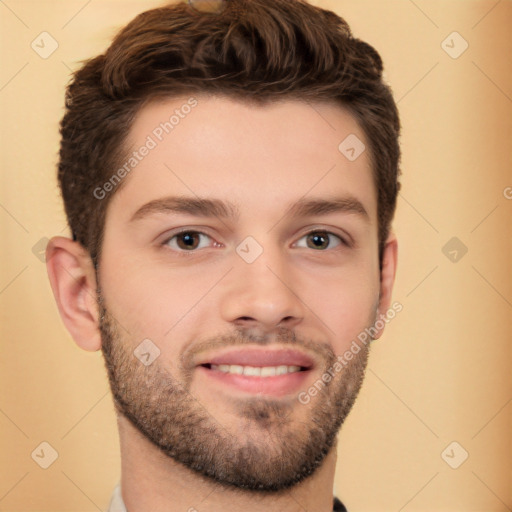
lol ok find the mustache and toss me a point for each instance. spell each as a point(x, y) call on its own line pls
point(320, 351)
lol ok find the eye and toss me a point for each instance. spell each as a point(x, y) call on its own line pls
point(187, 241)
point(320, 239)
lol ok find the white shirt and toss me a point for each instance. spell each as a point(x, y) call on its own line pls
point(116, 502)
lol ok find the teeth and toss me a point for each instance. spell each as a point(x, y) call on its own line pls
point(281, 369)
point(268, 371)
point(252, 371)
point(255, 371)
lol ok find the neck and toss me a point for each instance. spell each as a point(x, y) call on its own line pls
point(150, 480)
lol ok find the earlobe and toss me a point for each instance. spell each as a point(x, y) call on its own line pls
point(387, 278)
point(73, 282)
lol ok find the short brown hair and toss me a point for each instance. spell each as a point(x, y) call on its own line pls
point(255, 50)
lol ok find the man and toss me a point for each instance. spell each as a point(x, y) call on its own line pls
point(229, 172)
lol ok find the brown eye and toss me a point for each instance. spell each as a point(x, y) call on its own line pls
point(318, 240)
point(321, 240)
point(187, 241)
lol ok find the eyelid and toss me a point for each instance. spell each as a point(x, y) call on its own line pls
point(186, 229)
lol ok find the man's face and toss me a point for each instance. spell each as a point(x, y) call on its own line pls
point(223, 294)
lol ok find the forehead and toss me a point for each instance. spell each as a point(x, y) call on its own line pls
point(255, 156)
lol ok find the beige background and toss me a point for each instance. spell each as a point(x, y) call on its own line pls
point(442, 371)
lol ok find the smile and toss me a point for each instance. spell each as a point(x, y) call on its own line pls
point(255, 371)
point(268, 371)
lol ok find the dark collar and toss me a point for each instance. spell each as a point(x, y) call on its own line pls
point(338, 506)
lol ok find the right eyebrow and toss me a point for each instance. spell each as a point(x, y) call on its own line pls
point(191, 205)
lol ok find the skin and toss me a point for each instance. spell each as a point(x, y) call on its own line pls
point(263, 159)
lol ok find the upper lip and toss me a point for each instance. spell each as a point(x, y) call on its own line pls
point(259, 357)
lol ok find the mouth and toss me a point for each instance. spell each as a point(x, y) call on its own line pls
point(258, 371)
point(255, 371)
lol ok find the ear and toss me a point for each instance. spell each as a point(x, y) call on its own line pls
point(73, 281)
point(387, 279)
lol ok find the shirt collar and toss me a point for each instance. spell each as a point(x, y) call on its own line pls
point(117, 503)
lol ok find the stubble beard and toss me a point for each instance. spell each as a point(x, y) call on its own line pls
point(269, 451)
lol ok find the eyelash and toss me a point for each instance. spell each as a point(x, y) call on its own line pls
point(186, 253)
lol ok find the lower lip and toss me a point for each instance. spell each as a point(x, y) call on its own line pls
point(278, 385)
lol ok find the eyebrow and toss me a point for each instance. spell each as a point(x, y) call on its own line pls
point(311, 207)
point(191, 205)
point(226, 210)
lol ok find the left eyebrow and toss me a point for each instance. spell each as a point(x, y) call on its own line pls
point(312, 207)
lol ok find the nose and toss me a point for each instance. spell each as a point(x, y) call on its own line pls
point(262, 295)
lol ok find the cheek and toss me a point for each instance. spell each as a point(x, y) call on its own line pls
point(346, 303)
point(154, 300)
point(353, 312)
point(146, 302)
